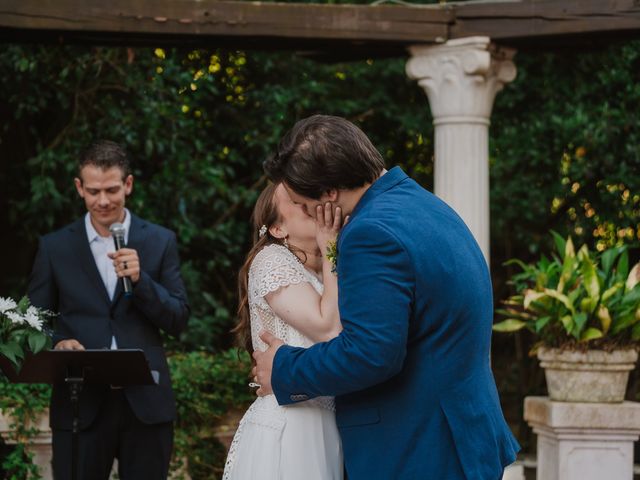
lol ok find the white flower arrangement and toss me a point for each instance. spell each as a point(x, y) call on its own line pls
point(23, 329)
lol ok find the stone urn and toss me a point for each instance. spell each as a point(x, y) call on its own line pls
point(594, 376)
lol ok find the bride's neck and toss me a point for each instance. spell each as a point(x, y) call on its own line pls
point(311, 258)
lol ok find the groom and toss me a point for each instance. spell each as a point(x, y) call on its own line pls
point(415, 395)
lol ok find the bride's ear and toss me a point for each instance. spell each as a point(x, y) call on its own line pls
point(276, 231)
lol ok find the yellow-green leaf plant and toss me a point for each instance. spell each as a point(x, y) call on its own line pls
point(576, 299)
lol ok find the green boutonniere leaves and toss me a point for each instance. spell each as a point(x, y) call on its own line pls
point(332, 256)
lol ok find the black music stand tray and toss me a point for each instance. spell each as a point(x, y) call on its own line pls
point(77, 368)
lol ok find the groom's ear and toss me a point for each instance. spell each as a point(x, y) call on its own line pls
point(332, 195)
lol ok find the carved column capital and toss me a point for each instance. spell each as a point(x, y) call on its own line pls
point(461, 77)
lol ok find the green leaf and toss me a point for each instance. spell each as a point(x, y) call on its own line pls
point(23, 304)
point(609, 292)
point(622, 322)
point(567, 322)
point(579, 320)
point(509, 325)
point(541, 323)
point(634, 277)
point(573, 295)
point(560, 243)
point(583, 252)
point(531, 296)
point(567, 269)
point(590, 278)
point(9, 354)
point(609, 257)
point(605, 318)
point(622, 269)
point(561, 298)
point(587, 305)
point(37, 341)
point(569, 249)
point(515, 261)
point(632, 297)
point(511, 313)
point(591, 334)
point(12, 351)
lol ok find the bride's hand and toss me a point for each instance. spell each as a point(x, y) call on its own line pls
point(328, 224)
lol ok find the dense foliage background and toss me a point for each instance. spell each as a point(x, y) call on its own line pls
point(198, 124)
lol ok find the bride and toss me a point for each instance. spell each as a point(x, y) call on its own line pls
point(287, 287)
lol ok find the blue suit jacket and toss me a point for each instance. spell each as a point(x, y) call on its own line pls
point(65, 279)
point(416, 398)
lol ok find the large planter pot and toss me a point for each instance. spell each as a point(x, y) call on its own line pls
point(590, 376)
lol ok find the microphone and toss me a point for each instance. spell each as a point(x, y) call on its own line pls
point(117, 232)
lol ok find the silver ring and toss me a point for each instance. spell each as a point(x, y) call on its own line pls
point(254, 385)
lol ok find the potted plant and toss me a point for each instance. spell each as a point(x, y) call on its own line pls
point(23, 330)
point(584, 307)
point(23, 408)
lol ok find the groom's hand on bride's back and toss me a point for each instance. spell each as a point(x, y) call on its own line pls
point(264, 363)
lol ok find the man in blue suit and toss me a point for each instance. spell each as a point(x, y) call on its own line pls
point(415, 395)
point(76, 273)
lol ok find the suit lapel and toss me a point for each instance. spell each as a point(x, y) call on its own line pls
point(137, 234)
point(80, 245)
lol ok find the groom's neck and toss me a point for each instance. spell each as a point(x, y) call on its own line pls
point(348, 199)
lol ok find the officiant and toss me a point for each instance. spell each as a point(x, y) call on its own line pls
point(79, 274)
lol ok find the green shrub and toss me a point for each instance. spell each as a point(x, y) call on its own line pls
point(206, 386)
point(23, 402)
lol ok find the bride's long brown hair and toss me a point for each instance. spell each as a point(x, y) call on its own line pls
point(264, 213)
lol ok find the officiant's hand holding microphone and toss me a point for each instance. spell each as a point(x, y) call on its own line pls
point(125, 260)
point(126, 263)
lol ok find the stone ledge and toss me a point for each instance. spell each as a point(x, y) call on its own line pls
point(608, 416)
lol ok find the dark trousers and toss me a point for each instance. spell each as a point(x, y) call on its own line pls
point(143, 451)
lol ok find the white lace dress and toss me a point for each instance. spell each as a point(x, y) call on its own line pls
point(292, 442)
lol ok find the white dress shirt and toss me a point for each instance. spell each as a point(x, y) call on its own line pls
point(100, 246)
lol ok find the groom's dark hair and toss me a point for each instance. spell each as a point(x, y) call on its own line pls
point(321, 153)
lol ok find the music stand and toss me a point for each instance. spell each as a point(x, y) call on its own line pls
point(77, 368)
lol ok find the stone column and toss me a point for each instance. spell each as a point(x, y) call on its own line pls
point(461, 79)
point(583, 441)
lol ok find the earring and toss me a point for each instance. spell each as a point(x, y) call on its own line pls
point(286, 244)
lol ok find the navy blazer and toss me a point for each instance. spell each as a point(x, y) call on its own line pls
point(416, 398)
point(65, 279)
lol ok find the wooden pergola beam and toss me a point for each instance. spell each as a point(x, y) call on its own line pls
point(317, 28)
point(532, 21)
point(277, 23)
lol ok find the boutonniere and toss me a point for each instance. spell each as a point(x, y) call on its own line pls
point(332, 256)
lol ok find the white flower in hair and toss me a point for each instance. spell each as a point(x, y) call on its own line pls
point(263, 231)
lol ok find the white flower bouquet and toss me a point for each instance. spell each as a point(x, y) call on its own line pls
point(23, 329)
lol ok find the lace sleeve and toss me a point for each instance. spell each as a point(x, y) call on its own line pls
point(274, 267)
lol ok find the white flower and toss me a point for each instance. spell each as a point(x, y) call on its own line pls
point(15, 317)
point(32, 317)
point(7, 304)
